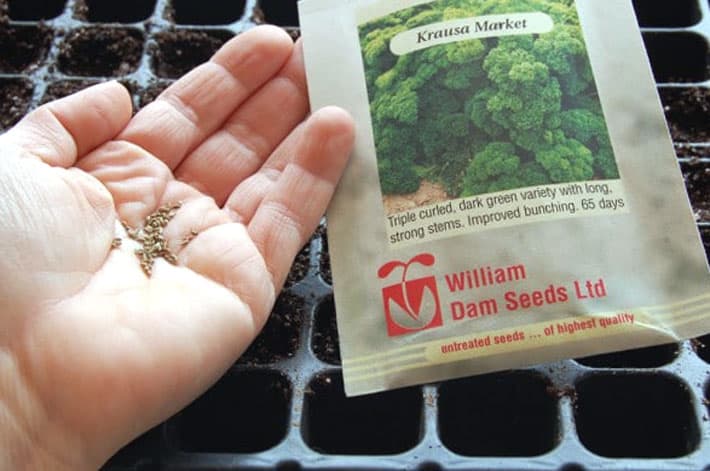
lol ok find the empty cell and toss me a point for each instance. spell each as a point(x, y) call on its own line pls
point(23, 47)
point(665, 14)
point(101, 52)
point(279, 339)
point(696, 175)
point(705, 237)
point(137, 451)
point(325, 333)
point(280, 12)
point(636, 416)
point(32, 10)
point(687, 110)
point(377, 424)
point(16, 94)
point(701, 345)
point(649, 357)
point(177, 52)
point(244, 412)
point(126, 11)
point(677, 57)
point(502, 414)
point(207, 12)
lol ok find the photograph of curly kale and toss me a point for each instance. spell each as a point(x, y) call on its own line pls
point(484, 115)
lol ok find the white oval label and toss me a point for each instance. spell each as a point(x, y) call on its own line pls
point(470, 28)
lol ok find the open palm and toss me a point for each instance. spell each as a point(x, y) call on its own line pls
point(92, 350)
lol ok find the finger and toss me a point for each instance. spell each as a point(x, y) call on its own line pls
point(289, 214)
point(250, 135)
point(197, 104)
point(62, 131)
point(225, 254)
point(248, 195)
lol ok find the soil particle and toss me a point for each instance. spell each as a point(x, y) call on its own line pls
point(295, 33)
point(687, 111)
point(16, 95)
point(428, 193)
point(101, 52)
point(280, 337)
point(81, 10)
point(258, 16)
point(565, 391)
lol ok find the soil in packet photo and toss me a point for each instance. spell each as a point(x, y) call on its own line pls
point(514, 196)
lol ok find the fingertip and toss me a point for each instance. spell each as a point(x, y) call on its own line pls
point(337, 124)
point(269, 40)
point(108, 102)
point(122, 94)
point(326, 143)
point(273, 32)
point(63, 130)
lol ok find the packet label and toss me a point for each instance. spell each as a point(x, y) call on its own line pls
point(513, 197)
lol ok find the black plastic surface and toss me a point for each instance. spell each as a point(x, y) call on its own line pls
point(282, 406)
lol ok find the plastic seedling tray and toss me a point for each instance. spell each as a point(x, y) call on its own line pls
point(281, 406)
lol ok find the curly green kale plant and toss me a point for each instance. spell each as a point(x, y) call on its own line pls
point(485, 115)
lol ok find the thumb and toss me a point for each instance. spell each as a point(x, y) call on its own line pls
point(64, 130)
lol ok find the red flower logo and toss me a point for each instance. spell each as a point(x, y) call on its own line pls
point(410, 305)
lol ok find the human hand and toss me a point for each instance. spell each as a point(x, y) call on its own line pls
point(92, 350)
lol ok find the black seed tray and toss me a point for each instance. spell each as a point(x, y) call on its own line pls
point(282, 405)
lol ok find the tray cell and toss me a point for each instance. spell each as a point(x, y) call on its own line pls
point(677, 57)
point(17, 93)
point(325, 335)
point(636, 416)
point(33, 10)
point(23, 47)
point(280, 12)
point(177, 52)
point(101, 52)
point(126, 11)
point(501, 414)
point(665, 14)
point(649, 357)
point(207, 12)
point(244, 412)
point(279, 339)
point(376, 424)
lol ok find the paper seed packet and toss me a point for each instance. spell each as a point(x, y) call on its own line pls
point(513, 197)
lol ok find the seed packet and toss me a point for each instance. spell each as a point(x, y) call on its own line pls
point(513, 197)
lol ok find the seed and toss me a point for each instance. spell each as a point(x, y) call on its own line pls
point(116, 243)
point(188, 238)
point(153, 243)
